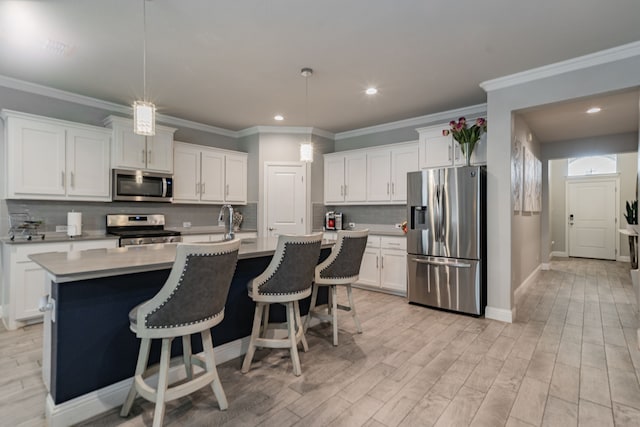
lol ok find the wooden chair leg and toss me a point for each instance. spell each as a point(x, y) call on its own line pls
point(255, 332)
point(353, 309)
point(141, 366)
point(265, 320)
point(291, 319)
point(210, 361)
point(334, 312)
point(299, 328)
point(186, 355)
point(314, 298)
point(163, 382)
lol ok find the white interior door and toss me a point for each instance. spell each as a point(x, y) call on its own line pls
point(591, 218)
point(285, 199)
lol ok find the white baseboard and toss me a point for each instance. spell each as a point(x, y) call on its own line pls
point(96, 402)
point(624, 258)
point(545, 266)
point(500, 314)
point(531, 278)
point(559, 254)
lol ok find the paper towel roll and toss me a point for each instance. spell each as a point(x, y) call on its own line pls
point(74, 223)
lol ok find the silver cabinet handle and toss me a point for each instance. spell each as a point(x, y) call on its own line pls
point(226, 190)
point(443, 263)
point(197, 187)
point(144, 155)
point(393, 244)
point(149, 157)
point(345, 189)
point(449, 152)
point(377, 261)
point(73, 180)
point(203, 187)
point(393, 188)
point(342, 190)
point(382, 262)
point(387, 188)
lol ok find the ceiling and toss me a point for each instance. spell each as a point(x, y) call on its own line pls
point(236, 64)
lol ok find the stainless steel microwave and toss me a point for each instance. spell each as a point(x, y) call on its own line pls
point(141, 186)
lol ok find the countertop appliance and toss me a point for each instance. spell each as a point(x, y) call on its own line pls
point(333, 220)
point(141, 229)
point(446, 238)
point(141, 186)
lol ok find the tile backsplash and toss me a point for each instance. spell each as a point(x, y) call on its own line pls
point(372, 214)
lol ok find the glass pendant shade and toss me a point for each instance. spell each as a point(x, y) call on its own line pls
point(306, 152)
point(144, 118)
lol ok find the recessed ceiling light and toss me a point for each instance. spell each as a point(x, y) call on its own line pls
point(594, 110)
point(278, 118)
point(371, 91)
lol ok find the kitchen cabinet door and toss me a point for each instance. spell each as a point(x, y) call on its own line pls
point(159, 148)
point(393, 270)
point(186, 174)
point(355, 177)
point(30, 280)
point(212, 177)
point(403, 160)
point(36, 158)
point(379, 176)
point(236, 178)
point(333, 179)
point(370, 267)
point(88, 164)
point(436, 150)
point(129, 149)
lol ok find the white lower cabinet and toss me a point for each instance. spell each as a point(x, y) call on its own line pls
point(206, 238)
point(384, 264)
point(24, 282)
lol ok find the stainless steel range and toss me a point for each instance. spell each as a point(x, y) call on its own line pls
point(141, 229)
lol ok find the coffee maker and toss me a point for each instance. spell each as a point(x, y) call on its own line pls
point(333, 220)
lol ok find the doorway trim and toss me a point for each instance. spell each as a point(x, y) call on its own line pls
point(604, 177)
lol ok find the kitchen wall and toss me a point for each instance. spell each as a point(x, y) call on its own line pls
point(627, 169)
point(525, 226)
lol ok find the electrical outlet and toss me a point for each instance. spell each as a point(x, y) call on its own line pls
point(61, 228)
point(398, 226)
point(352, 225)
point(186, 224)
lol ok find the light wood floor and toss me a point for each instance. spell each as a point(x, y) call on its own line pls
point(570, 359)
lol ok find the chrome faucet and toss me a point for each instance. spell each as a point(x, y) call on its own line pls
point(228, 225)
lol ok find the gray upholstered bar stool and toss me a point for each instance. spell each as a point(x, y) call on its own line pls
point(286, 280)
point(191, 301)
point(341, 268)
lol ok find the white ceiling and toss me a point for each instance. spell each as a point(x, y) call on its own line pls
point(235, 64)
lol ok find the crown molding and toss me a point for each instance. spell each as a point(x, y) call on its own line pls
point(415, 121)
point(62, 95)
point(598, 58)
point(300, 130)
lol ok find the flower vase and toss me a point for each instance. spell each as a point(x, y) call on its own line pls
point(467, 156)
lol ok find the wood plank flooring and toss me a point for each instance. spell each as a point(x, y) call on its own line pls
point(571, 358)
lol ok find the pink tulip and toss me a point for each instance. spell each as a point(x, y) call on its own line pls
point(462, 120)
point(480, 121)
point(452, 123)
point(445, 132)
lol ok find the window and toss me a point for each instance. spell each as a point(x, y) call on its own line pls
point(593, 165)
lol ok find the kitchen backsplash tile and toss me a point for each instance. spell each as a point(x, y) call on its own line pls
point(373, 214)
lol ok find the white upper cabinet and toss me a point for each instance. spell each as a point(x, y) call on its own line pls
point(345, 179)
point(52, 159)
point(387, 177)
point(439, 151)
point(208, 175)
point(132, 151)
point(369, 176)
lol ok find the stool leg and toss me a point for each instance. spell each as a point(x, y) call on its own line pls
point(186, 355)
point(141, 366)
point(210, 361)
point(299, 327)
point(163, 379)
point(353, 309)
point(255, 332)
point(334, 312)
point(265, 320)
point(291, 319)
point(314, 298)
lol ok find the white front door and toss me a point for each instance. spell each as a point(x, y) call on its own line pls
point(285, 199)
point(591, 218)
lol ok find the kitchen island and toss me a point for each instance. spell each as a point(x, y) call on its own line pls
point(90, 353)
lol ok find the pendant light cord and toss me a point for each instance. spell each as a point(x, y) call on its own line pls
point(144, 50)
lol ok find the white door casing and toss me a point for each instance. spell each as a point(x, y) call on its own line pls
point(592, 209)
point(285, 198)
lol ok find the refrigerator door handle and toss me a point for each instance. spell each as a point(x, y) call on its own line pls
point(443, 263)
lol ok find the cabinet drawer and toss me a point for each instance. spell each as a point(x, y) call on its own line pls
point(94, 244)
point(23, 251)
point(373, 242)
point(399, 243)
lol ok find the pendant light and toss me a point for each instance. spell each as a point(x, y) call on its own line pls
point(306, 147)
point(144, 112)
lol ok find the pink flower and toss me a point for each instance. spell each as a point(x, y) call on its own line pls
point(452, 123)
point(462, 120)
point(445, 132)
point(480, 121)
point(459, 127)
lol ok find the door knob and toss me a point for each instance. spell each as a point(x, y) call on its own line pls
point(271, 228)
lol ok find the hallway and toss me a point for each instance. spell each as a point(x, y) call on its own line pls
point(570, 359)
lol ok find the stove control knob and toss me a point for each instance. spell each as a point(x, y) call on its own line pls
point(132, 241)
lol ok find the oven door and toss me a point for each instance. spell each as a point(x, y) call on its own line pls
point(139, 186)
point(448, 283)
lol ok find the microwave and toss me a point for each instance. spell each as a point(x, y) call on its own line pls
point(141, 186)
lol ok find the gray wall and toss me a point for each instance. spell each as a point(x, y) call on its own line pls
point(501, 104)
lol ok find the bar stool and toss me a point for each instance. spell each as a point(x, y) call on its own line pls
point(286, 280)
point(191, 301)
point(341, 268)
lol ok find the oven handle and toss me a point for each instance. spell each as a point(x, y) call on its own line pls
point(443, 263)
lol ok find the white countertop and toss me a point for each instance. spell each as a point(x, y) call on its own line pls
point(95, 263)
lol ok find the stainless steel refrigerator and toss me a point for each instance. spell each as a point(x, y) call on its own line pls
point(446, 238)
